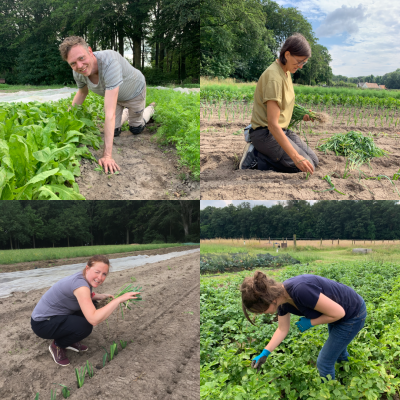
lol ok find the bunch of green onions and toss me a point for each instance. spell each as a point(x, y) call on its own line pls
point(359, 149)
point(299, 112)
point(127, 289)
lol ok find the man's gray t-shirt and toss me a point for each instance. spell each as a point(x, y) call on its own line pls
point(60, 298)
point(114, 71)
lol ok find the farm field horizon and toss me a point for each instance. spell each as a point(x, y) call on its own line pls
point(226, 112)
point(229, 341)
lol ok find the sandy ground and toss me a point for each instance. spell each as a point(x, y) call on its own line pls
point(23, 266)
point(148, 172)
point(161, 361)
point(222, 145)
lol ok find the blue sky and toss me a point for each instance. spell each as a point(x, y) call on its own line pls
point(362, 37)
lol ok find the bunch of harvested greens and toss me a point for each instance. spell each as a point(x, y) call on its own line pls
point(299, 112)
point(359, 149)
point(127, 289)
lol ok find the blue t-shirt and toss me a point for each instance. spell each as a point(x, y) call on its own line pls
point(60, 298)
point(305, 290)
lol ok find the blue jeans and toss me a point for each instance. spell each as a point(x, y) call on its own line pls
point(340, 335)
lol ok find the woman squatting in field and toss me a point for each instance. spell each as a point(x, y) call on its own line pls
point(319, 301)
point(66, 312)
point(273, 146)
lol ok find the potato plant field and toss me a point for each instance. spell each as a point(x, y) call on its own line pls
point(42, 147)
point(226, 111)
point(229, 342)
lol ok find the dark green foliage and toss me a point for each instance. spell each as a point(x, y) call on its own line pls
point(327, 219)
point(223, 262)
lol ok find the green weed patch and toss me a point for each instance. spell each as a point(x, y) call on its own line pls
point(211, 263)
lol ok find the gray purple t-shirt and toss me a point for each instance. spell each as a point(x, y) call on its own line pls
point(306, 289)
point(114, 71)
point(60, 298)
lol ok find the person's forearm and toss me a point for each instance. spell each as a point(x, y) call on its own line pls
point(103, 313)
point(78, 99)
point(324, 319)
point(276, 340)
point(109, 126)
point(283, 141)
point(96, 296)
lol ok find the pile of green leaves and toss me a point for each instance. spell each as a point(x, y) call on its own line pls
point(223, 262)
point(179, 118)
point(41, 145)
point(359, 149)
point(228, 342)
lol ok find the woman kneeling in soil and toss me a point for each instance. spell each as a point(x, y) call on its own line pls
point(272, 112)
point(66, 312)
point(319, 300)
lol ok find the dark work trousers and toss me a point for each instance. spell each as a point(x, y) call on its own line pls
point(265, 143)
point(65, 329)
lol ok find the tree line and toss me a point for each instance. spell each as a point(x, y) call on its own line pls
point(27, 224)
point(327, 219)
point(167, 32)
point(391, 80)
point(240, 39)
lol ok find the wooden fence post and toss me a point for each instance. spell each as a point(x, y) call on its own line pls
point(320, 243)
point(294, 240)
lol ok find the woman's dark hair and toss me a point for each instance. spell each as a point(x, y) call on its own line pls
point(94, 259)
point(296, 45)
point(258, 293)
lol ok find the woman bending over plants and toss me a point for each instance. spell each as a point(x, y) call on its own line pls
point(273, 145)
point(66, 312)
point(319, 301)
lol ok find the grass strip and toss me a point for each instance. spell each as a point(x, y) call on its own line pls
point(359, 149)
point(54, 253)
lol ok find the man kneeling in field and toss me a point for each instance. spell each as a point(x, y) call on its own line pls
point(110, 75)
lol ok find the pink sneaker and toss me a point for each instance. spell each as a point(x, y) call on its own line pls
point(59, 355)
point(78, 346)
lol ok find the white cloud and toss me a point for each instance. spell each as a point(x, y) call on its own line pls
point(368, 33)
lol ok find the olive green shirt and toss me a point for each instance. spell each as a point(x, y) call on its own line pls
point(275, 85)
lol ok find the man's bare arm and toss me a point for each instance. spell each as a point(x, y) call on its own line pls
point(80, 96)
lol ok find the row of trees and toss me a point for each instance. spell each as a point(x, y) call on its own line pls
point(167, 31)
point(241, 39)
point(327, 219)
point(391, 80)
point(26, 224)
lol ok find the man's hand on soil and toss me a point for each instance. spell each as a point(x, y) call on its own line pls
point(109, 165)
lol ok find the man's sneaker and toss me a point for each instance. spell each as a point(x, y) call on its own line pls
point(78, 346)
point(137, 129)
point(59, 355)
point(117, 131)
point(249, 160)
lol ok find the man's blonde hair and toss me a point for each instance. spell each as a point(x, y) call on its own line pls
point(69, 43)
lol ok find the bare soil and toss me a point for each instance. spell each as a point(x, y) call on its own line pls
point(160, 362)
point(148, 172)
point(222, 144)
point(23, 266)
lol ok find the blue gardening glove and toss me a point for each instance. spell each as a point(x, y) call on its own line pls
point(260, 360)
point(303, 324)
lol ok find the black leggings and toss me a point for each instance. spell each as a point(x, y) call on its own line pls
point(65, 329)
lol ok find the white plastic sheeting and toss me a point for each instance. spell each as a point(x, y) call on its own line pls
point(24, 281)
point(47, 95)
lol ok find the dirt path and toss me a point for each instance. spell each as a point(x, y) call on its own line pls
point(148, 172)
point(161, 361)
point(222, 145)
point(23, 266)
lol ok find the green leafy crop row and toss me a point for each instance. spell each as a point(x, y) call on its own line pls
point(228, 342)
point(41, 145)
